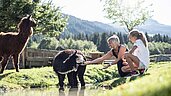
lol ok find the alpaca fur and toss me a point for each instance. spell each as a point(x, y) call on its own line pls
point(65, 61)
point(13, 43)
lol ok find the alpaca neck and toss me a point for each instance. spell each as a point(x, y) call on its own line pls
point(24, 34)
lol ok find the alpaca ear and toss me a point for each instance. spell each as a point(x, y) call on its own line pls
point(75, 52)
point(29, 16)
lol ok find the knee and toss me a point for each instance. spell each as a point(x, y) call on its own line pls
point(123, 69)
point(126, 55)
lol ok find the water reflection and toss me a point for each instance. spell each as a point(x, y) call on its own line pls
point(53, 92)
point(73, 92)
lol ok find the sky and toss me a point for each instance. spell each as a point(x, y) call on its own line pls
point(92, 10)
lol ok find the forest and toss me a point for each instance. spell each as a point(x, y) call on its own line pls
point(158, 44)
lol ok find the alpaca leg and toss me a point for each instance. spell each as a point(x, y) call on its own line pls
point(61, 78)
point(72, 79)
point(1, 59)
point(80, 72)
point(4, 63)
point(16, 59)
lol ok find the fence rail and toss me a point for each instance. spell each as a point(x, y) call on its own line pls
point(34, 58)
point(38, 58)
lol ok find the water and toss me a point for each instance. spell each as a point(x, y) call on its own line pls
point(54, 92)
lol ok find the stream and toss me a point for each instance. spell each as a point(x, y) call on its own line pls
point(87, 91)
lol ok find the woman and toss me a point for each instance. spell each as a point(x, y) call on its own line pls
point(117, 50)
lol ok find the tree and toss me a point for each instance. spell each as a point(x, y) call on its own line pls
point(48, 43)
point(165, 38)
point(103, 46)
point(11, 11)
point(127, 13)
point(51, 22)
point(148, 37)
point(96, 38)
point(81, 36)
point(50, 19)
point(157, 38)
point(119, 34)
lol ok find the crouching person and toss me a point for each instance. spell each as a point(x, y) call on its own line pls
point(117, 50)
point(138, 56)
point(67, 62)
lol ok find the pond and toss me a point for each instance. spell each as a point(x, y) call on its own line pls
point(88, 91)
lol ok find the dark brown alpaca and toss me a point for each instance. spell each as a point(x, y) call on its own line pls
point(13, 43)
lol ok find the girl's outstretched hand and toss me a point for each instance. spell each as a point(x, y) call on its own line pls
point(106, 66)
point(125, 63)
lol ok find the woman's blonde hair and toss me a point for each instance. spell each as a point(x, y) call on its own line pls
point(114, 38)
point(139, 35)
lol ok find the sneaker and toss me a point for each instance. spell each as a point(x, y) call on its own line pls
point(142, 71)
point(135, 73)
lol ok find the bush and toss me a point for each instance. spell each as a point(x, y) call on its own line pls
point(159, 48)
point(83, 45)
point(48, 43)
point(33, 45)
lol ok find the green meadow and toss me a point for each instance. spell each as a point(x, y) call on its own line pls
point(155, 82)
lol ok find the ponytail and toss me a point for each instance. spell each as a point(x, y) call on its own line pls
point(139, 35)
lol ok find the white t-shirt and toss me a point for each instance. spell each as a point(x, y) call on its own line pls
point(142, 52)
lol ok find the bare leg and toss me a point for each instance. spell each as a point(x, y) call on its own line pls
point(126, 68)
point(132, 60)
point(15, 58)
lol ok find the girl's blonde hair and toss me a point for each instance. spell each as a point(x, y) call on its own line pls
point(114, 38)
point(139, 35)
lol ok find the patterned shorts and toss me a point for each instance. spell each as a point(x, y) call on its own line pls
point(141, 65)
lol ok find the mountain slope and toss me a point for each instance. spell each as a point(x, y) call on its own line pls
point(76, 25)
point(154, 27)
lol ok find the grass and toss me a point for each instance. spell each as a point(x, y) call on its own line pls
point(156, 82)
point(28, 78)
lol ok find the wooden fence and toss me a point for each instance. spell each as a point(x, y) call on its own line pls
point(34, 58)
point(38, 58)
point(160, 57)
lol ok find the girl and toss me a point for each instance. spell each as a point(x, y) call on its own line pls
point(138, 56)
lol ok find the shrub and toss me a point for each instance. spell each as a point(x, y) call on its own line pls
point(82, 45)
point(159, 48)
point(48, 43)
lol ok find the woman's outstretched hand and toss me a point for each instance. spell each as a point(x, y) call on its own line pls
point(87, 62)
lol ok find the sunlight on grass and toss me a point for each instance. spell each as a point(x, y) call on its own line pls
point(157, 83)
